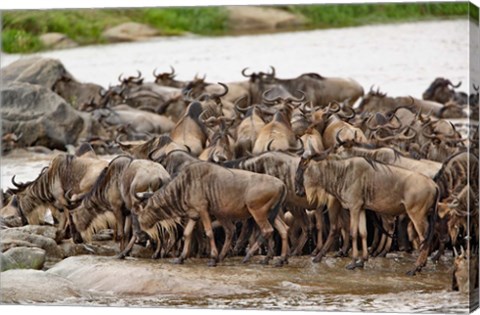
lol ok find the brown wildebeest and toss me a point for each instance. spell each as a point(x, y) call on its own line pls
point(203, 189)
point(112, 198)
point(190, 131)
point(440, 91)
point(66, 173)
point(144, 149)
point(323, 90)
point(283, 165)
point(359, 184)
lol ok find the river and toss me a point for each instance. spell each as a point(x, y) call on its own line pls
point(400, 59)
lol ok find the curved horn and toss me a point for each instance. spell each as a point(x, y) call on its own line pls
point(270, 101)
point(139, 75)
point(269, 145)
point(120, 79)
point(347, 117)
point(330, 109)
point(476, 88)
point(300, 147)
point(382, 139)
point(337, 138)
point(18, 185)
point(299, 100)
point(223, 93)
point(171, 74)
point(246, 75)
point(403, 135)
point(369, 126)
point(454, 86)
point(237, 104)
point(273, 71)
point(391, 126)
point(424, 131)
point(155, 74)
point(117, 140)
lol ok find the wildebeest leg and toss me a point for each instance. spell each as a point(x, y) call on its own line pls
point(421, 224)
point(127, 229)
point(62, 225)
point(302, 218)
point(266, 230)
point(412, 235)
point(354, 221)
point(207, 225)
point(124, 253)
point(334, 209)
point(345, 234)
point(362, 229)
point(389, 226)
point(187, 235)
point(247, 227)
point(383, 238)
point(319, 223)
point(229, 228)
point(377, 239)
point(120, 223)
point(282, 229)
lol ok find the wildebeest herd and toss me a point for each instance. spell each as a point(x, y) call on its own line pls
point(266, 166)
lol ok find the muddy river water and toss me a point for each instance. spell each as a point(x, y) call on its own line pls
point(400, 59)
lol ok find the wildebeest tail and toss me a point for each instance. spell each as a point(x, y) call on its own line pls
point(276, 208)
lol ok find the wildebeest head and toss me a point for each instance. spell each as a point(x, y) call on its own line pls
point(168, 79)
point(440, 91)
point(376, 101)
point(131, 81)
point(302, 166)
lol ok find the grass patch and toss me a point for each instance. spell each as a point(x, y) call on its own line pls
point(21, 29)
point(85, 26)
point(342, 15)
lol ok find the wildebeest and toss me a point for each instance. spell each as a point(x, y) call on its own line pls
point(440, 91)
point(65, 173)
point(190, 130)
point(112, 197)
point(322, 90)
point(358, 183)
point(202, 190)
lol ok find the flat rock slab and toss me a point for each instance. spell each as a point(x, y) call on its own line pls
point(130, 31)
point(33, 286)
point(138, 277)
point(252, 18)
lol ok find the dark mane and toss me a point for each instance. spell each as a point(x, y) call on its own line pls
point(313, 76)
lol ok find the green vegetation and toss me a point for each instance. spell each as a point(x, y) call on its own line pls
point(21, 29)
point(341, 15)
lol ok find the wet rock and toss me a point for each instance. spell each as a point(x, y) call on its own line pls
point(130, 31)
point(71, 249)
point(51, 74)
point(251, 18)
point(6, 263)
point(42, 230)
point(25, 258)
point(43, 117)
point(57, 41)
point(33, 286)
point(16, 236)
point(139, 277)
point(36, 70)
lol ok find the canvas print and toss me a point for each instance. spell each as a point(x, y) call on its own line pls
point(319, 157)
